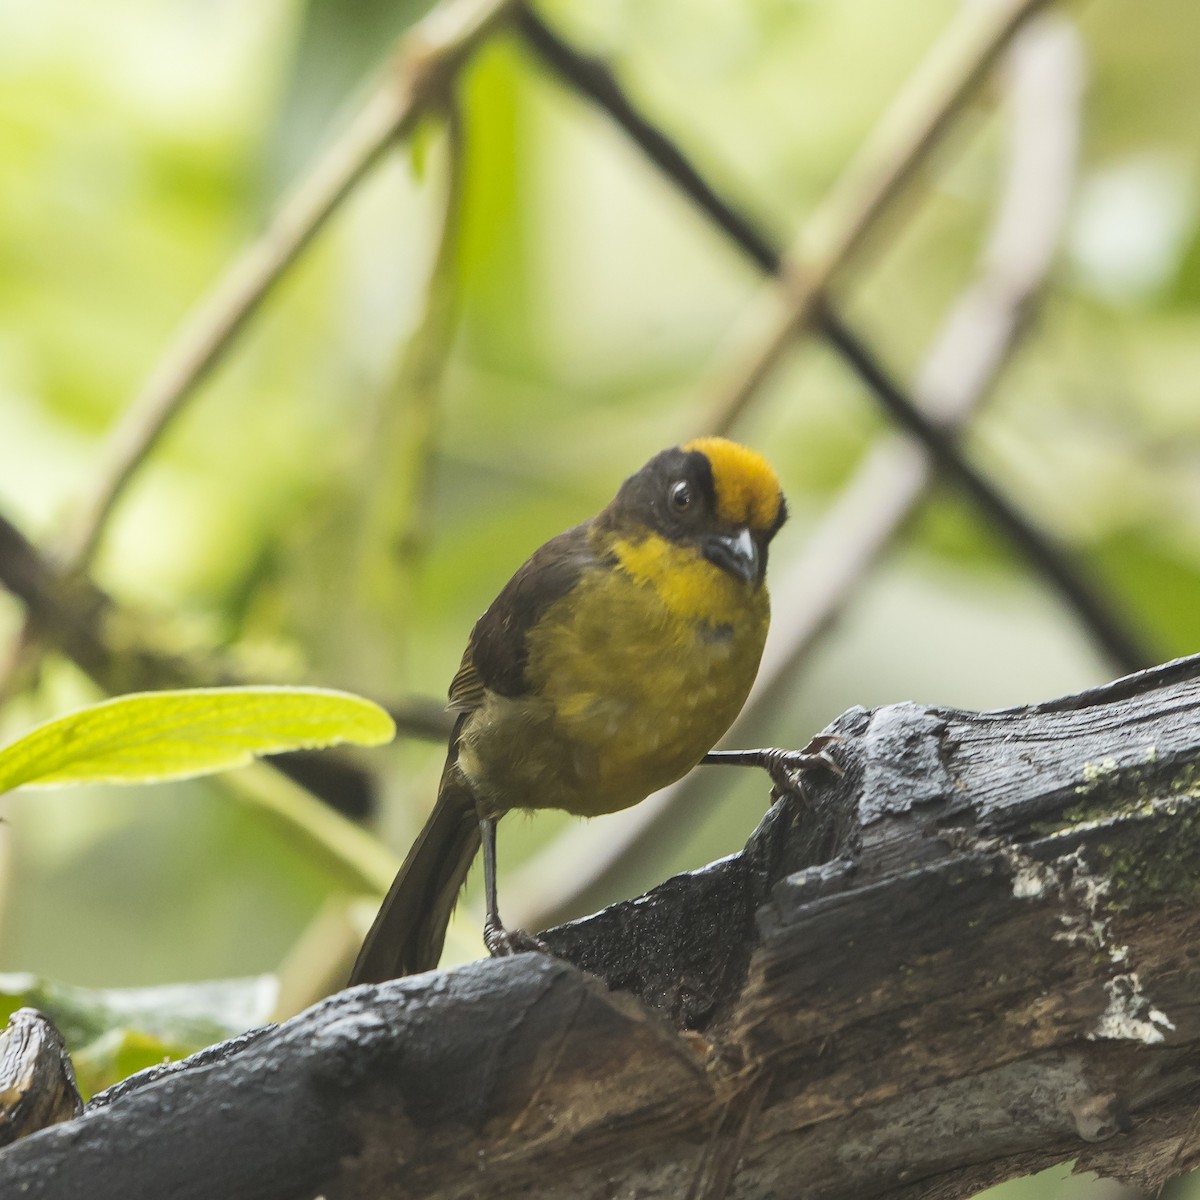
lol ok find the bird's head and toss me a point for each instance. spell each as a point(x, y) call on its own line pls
point(710, 495)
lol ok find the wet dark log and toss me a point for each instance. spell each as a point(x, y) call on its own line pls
point(971, 957)
point(37, 1080)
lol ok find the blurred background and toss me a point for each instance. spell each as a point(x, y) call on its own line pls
point(495, 328)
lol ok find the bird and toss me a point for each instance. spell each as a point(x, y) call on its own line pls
point(607, 667)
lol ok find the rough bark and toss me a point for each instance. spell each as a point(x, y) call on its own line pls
point(37, 1078)
point(971, 957)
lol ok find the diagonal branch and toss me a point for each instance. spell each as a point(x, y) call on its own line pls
point(404, 436)
point(83, 621)
point(1052, 559)
point(895, 149)
point(959, 963)
point(122, 650)
point(422, 69)
point(117, 648)
point(976, 340)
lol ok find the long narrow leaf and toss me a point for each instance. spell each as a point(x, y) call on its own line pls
point(152, 736)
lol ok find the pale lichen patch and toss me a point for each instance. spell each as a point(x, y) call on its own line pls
point(1130, 1016)
point(1085, 918)
point(1094, 773)
point(1031, 882)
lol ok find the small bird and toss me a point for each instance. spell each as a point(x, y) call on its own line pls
point(606, 669)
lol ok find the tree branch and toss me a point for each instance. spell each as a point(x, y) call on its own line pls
point(111, 644)
point(962, 961)
point(422, 68)
point(417, 80)
point(121, 650)
point(1053, 560)
point(981, 331)
point(893, 152)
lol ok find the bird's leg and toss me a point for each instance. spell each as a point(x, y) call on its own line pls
point(781, 764)
point(500, 942)
point(493, 931)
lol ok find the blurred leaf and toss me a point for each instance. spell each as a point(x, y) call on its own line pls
point(152, 736)
point(112, 1033)
point(120, 1053)
point(420, 142)
point(340, 43)
point(1158, 584)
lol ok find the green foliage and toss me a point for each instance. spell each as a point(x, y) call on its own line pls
point(113, 1032)
point(155, 736)
point(340, 43)
point(337, 504)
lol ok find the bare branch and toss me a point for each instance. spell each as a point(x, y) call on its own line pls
point(423, 67)
point(394, 527)
point(1052, 559)
point(417, 80)
point(120, 650)
point(894, 150)
point(1043, 87)
point(126, 651)
point(82, 620)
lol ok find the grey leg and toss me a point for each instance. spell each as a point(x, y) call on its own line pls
point(500, 942)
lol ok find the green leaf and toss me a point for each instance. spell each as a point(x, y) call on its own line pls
point(420, 141)
point(339, 43)
point(113, 1032)
point(153, 736)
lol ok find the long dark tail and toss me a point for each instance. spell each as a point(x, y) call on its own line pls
point(410, 927)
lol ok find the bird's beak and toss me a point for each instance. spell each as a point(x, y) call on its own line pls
point(735, 553)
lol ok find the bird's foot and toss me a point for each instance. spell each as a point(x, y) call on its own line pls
point(503, 943)
point(784, 765)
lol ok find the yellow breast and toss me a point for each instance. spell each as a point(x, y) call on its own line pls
point(635, 674)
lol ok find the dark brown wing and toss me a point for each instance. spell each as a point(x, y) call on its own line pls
point(497, 653)
point(409, 930)
point(466, 688)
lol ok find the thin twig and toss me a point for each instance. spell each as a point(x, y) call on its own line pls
point(113, 648)
point(895, 149)
point(394, 526)
point(592, 78)
point(80, 618)
point(417, 80)
point(391, 531)
point(1052, 559)
point(976, 339)
point(118, 648)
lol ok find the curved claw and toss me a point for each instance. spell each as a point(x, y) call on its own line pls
point(782, 765)
point(503, 943)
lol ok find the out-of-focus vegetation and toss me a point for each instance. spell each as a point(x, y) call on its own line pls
point(339, 501)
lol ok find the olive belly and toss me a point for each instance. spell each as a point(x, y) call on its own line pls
point(623, 702)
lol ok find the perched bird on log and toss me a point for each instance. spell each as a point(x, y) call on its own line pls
point(607, 668)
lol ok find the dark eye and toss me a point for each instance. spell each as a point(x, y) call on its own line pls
point(681, 496)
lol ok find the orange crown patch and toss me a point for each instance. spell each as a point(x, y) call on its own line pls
point(748, 491)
